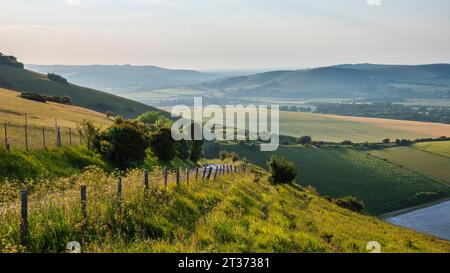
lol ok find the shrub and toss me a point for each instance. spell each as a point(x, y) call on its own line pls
point(347, 142)
point(89, 134)
point(386, 141)
point(282, 171)
point(57, 78)
point(10, 61)
point(350, 203)
point(183, 149)
point(45, 98)
point(304, 140)
point(33, 97)
point(124, 143)
point(162, 144)
point(223, 155)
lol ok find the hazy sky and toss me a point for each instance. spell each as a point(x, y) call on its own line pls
point(206, 34)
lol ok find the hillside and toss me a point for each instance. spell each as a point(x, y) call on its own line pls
point(343, 81)
point(412, 179)
point(235, 213)
point(126, 78)
point(28, 81)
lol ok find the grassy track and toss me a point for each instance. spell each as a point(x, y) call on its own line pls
point(342, 171)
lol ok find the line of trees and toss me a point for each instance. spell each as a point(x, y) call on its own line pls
point(10, 61)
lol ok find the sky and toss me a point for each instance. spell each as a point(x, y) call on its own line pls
point(226, 34)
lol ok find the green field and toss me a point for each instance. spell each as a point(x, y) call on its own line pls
point(343, 171)
point(28, 81)
point(425, 158)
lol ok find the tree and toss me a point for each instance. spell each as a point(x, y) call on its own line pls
point(386, 141)
point(89, 134)
point(162, 144)
point(183, 149)
point(57, 78)
point(282, 171)
point(304, 140)
point(124, 143)
point(196, 145)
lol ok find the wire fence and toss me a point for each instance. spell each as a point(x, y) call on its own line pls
point(24, 136)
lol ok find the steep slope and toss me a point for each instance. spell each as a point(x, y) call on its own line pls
point(234, 213)
point(125, 78)
point(28, 81)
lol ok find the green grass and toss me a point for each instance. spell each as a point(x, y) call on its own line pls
point(343, 171)
point(440, 148)
point(421, 158)
point(19, 165)
point(28, 81)
point(236, 213)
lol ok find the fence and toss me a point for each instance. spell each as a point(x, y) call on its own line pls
point(37, 137)
point(178, 178)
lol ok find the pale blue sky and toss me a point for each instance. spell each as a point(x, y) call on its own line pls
point(241, 34)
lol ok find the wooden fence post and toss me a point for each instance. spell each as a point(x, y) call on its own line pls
point(43, 137)
point(209, 173)
point(204, 173)
point(145, 182)
point(165, 178)
point(215, 173)
point(6, 138)
point(24, 218)
point(58, 133)
point(119, 193)
point(70, 136)
point(83, 202)
point(178, 177)
point(187, 177)
point(26, 132)
point(196, 173)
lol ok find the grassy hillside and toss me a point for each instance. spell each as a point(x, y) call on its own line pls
point(343, 171)
point(235, 213)
point(28, 81)
point(13, 110)
point(440, 148)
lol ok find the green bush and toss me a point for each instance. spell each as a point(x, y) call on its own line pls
point(162, 144)
point(350, 203)
point(124, 143)
point(282, 171)
point(57, 78)
point(304, 140)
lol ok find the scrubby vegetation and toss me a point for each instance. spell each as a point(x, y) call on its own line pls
point(45, 98)
point(10, 61)
point(282, 171)
point(57, 78)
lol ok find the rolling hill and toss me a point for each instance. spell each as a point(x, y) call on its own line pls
point(126, 78)
point(343, 81)
point(22, 80)
point(386, 180)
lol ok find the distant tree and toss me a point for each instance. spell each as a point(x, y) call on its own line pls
point(304, 140)
point(33, 96)
point(386, 141)
point(282, 171)
point(183, 149)
point(57, 78)
point(162, 144)
point(347, 142)
point(10, 61)
point(234, 157)
point(196, 145)
point(223, 155)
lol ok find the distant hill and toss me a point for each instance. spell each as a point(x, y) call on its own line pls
point(343, 81)
point(126, 78)
point(23, 80)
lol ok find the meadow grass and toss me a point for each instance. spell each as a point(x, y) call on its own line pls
point(236, 213)
point(341, 171)
point(441, 147)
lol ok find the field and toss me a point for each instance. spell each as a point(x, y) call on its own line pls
point(343, 171)
point(28, 81)
point(339, 128)
point(425, 158)
point(235, 213)
point(13, 110)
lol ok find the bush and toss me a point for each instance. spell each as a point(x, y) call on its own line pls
point(162, 144)
point(10, 61)
point(347, 142)
point(183, 149)
point(45, 98)
point(304, 140)
point(33, 97)
point(386, 141)
point(124, 143)
point(282, 171)
point(57, 78)
point(350, 203)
